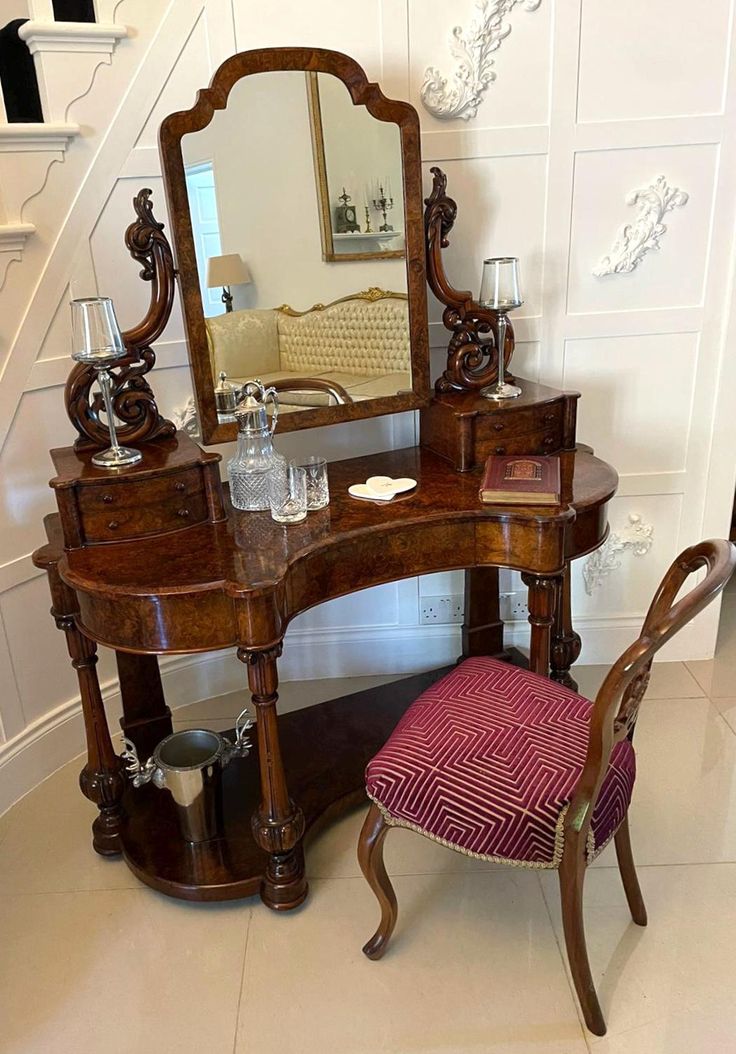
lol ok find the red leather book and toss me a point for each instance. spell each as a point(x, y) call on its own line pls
point(521, 479)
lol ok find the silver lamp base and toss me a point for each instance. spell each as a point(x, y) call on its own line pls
point(117, 457)
point(501, 391)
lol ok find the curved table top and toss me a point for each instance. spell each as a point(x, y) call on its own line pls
point(240, 581)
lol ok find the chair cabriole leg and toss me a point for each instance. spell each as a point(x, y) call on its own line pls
point(572, 877)
point(629, 877)
point(370, 858)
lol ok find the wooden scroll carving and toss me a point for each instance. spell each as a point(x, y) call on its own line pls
point(472, 355)
point(133, 399)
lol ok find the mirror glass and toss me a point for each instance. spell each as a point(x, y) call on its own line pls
point(296, 203)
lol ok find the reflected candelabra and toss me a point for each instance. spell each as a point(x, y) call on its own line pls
point(383, 202)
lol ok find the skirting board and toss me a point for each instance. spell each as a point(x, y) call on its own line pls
point(58, 736)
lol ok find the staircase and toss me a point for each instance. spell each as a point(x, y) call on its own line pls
point(47, 61)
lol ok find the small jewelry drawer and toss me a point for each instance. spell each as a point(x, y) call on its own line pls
point(116, 510)
point(532, 443)
point(507, 422)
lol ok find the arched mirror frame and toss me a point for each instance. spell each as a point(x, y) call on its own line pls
point(363, 93)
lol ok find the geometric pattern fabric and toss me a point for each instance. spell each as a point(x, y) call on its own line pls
point(486, 762)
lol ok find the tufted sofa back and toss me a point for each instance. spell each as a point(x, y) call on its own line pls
point(369, 337)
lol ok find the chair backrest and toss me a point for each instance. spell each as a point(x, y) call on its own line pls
point(616, 706)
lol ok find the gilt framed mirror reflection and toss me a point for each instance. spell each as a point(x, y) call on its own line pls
point(286, 150)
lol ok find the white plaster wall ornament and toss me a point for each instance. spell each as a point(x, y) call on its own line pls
point(639, 238)
point(636, 537)
point(473, 50)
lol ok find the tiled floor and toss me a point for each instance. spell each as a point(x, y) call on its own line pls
point(91, 960)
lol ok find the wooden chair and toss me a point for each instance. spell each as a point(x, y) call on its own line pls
point(501, 764)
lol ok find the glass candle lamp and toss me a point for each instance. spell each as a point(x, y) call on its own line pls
point(98, 342)
point(500, 290)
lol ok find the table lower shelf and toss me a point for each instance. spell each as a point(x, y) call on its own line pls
point(325, 750)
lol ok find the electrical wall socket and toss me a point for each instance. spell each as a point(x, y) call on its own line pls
point(514, 607)
point(441, 610)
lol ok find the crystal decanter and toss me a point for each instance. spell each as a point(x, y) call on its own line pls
point(255, 457)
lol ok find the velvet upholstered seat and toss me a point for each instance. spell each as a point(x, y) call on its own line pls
point(485, 761)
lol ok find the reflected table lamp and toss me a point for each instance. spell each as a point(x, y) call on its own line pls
point(225, 271)
point(98, 342)
point(500, 291)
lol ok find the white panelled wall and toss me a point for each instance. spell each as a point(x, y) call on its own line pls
point(591, 102)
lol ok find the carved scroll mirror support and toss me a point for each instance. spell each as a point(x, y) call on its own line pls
point(132, 397)
point(472, 354)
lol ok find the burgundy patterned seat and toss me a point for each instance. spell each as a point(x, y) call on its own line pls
point(486, 760)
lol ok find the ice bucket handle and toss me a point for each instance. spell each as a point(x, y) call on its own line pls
point(152, 772)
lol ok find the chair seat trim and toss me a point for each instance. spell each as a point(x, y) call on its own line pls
point(592, 850)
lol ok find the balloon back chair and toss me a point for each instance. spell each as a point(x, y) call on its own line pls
point(504, 765)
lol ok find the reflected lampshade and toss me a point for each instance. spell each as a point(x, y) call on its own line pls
point(226, 270)
point(96, 335)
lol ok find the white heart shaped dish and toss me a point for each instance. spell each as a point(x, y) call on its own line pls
point(382, 484)
point(381, 488)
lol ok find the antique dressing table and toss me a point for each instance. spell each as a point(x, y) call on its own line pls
point(151, 559)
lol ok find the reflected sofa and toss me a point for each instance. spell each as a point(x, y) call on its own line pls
point(360, 342)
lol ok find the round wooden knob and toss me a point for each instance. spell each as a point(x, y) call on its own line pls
point(113, 525)
point(108, 499)
point(500, 450)
point(549, 440)
point(183, 513)
point(179, 485)
point(549, 418)
point(498, 428)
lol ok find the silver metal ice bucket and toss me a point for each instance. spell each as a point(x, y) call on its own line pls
point(189, 764)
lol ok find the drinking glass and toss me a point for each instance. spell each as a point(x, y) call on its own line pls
point(288, 495)
point(318, 490)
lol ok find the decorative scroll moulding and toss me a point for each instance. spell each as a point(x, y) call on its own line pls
point(636, 537)
point(639, 238)
point(472, 50)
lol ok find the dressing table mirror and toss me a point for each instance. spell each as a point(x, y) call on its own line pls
point(299, 178)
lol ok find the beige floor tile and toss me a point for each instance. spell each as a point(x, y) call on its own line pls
point(717, 676)
point(120, 971)
point(48, 844)
point(473, 967)
point(333, 852)
point(667, 988)
point(727, 709)
point(670, 680)
point(684, 803)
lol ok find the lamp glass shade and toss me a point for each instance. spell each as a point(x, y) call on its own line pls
point(226, 270)
point(96, 335)
point(500, 288)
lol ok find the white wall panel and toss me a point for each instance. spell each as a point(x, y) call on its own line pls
point(43, 671)
point(655, 59)
point(628, 380)
point(671, 276)
point(502, 213)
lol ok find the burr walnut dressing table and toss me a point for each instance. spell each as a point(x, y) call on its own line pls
point(151, 559)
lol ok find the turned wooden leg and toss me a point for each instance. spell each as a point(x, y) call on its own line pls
point(146, 718)
point(278, 824)
point(572, 877)
point(543, 591)
point(370, 858)
point(629, 877)
point(566, 643)
point(102, 779)
point(482, 625)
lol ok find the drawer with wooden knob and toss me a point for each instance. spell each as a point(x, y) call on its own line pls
point(133, 509)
